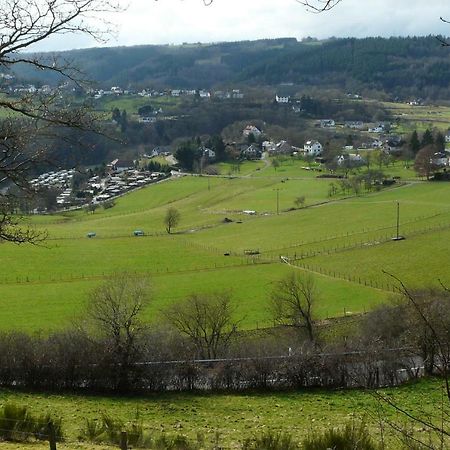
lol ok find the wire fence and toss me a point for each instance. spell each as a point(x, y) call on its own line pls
point(239, 260)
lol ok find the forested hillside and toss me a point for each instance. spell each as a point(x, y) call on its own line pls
point(397, 67)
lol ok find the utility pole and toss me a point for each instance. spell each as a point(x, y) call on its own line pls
point(398, 237)
point(278, 201)
point(398, 219)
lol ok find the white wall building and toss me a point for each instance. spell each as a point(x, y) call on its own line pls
point(312, 148)
point(251, 129)
point(282, 99)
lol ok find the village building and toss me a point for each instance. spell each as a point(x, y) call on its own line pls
point(312, 148)
point(251, 129)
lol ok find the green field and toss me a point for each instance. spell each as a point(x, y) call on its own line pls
point(345, 241)
point(131, 104)
point(419, 117)
point(234, 417)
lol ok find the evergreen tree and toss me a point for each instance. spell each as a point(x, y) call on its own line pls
point(440, 142)
point(188, 154)
point(123, 121)
point(414, 143)
point(116, 115)
point(349, 140)
point(427, 138)
point(216, 144)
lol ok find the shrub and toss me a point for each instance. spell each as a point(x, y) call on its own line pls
point(177, 442)
point(113, 428)
point(352, 436)
point(137, 436)
point(41, 428)
point(270, 441)
point(92, 431)
point(109, 430)
point(108, 204)
point(17, 424)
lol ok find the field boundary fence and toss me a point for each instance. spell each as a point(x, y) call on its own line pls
point(240, 259)
point(374, 284)
point(154, 233)
point(363, 243)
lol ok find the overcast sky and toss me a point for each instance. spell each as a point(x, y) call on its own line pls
point(178, 21)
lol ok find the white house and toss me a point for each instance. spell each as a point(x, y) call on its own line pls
point(120, 165)
point(282, 148)
point(380, 128)
point(355, 124)
point(268, 146)
point(252, 152)
point(208, 153)
point(251, 129)
point(353, 159)
point(377, 143)
point(147, 119)
point(327, 123)
point(312, 148)
point(440, 159)
point(282, 99)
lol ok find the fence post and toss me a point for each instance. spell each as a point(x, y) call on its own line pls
point(123, 440)
point(51, 435)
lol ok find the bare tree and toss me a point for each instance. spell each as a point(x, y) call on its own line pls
point(300, 201)
point(114, 318)
point(426, 328)
point(319, 5)
point(424, 163)
point(30, 120)
point(312, 5)
point(293, 298)
point(171, 219)
point(207, 320)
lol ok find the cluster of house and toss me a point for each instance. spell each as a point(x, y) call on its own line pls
point(286, 99)
point(354, 125)
point(387, 142)
point(119, 182)
point(58, 180)
point(121, 177)
point(202, 93)
point(313, 148)
point(440, 159)
point(9, 84)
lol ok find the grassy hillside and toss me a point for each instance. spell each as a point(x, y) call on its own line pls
point(344, 241)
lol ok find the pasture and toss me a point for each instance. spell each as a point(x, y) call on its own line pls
point(344, 241)
point(234, 417)
point(419, 117)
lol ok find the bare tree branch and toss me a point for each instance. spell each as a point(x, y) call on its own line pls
point(293, 298)
point(444, 353)
point(207, 321)
point(318, 6)
point(33, 121)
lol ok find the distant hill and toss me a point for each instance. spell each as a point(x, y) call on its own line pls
point(399, 67)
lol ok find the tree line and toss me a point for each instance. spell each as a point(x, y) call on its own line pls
point(398, 66)
point(198, 343)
